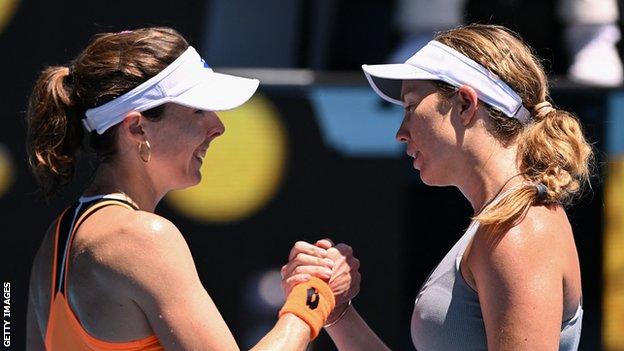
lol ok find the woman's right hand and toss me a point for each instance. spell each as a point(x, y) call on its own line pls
point(334, 264)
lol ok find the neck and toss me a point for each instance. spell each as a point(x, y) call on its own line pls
point(489, 176)
point(112, 178)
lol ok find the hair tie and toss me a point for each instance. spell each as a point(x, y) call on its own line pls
point(542, 192)
point(542, 109)
point(69, 79)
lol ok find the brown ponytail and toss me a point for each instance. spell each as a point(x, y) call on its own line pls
point(553, 155)
point(54, 131)
point(111, 65)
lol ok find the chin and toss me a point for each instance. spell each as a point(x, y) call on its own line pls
point(193, 181)
point(196, 181)
point(431, 180)
point(427, 181)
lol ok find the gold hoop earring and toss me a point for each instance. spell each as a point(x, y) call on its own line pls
point(148, 150)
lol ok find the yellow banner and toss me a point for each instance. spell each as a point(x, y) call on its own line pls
point(613, 296)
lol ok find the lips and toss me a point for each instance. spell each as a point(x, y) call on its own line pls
point(415, 156)
point(416, 163)
point(199, 155)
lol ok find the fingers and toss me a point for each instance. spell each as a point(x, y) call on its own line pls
point(325, 243)
point(320, 272)
point(344, 249)
point(302, 274)
point(302, 259)
point(345, 280)
point(354, 263)
point(306, 248)
point(289, 283)
point(345, 268)
point(302, 263)
point(334, 264)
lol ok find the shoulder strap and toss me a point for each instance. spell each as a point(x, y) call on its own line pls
point(62, 228)
point(81, 211)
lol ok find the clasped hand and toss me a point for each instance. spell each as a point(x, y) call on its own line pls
point(334, 264)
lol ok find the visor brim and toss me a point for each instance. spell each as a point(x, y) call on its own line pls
point(387, 80)
point(218, 92)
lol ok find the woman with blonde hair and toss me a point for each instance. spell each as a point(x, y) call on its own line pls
point(478, 116)
point(110, 273)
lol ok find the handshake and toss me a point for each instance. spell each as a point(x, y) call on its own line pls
point(320, 272)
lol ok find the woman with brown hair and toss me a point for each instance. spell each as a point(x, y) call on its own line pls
point(478, 116)
point(110, 274)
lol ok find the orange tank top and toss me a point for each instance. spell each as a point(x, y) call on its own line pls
point(64, 331)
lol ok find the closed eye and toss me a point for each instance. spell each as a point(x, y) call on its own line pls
point(409, 108)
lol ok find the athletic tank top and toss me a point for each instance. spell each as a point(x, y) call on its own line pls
point(64, 331)
point(447, 314)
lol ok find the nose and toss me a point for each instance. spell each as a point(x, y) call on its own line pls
point(402, 136)
point(217, 129)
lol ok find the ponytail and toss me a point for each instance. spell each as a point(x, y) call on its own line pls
point(54, 132)
point(555, 158)
point(552, 154)
point(111, 65)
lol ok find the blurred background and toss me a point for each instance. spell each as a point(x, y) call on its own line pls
point(313, 155)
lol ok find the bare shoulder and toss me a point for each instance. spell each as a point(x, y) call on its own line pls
point(543, 222)
point(150, 229)
point(128, 248)
point(534, 241)
point(135, 235)
point(527, 278)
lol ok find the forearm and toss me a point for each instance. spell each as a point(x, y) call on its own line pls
point(352, 333)
point(289, 334)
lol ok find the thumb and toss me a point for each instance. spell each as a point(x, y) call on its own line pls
point(325, 243)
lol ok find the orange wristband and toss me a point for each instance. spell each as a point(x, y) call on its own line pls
point(311, 301)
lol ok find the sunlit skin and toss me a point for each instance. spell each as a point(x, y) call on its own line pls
point(178, 143)
point(139, 262)
point(528, 278)
point(449, 142)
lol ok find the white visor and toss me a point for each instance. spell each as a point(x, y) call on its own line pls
point(437, 61)
point(187, 81)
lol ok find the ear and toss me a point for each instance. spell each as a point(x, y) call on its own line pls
point(468, 102)
point(132, 125)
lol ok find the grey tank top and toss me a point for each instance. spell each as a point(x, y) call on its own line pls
point(447, 315)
